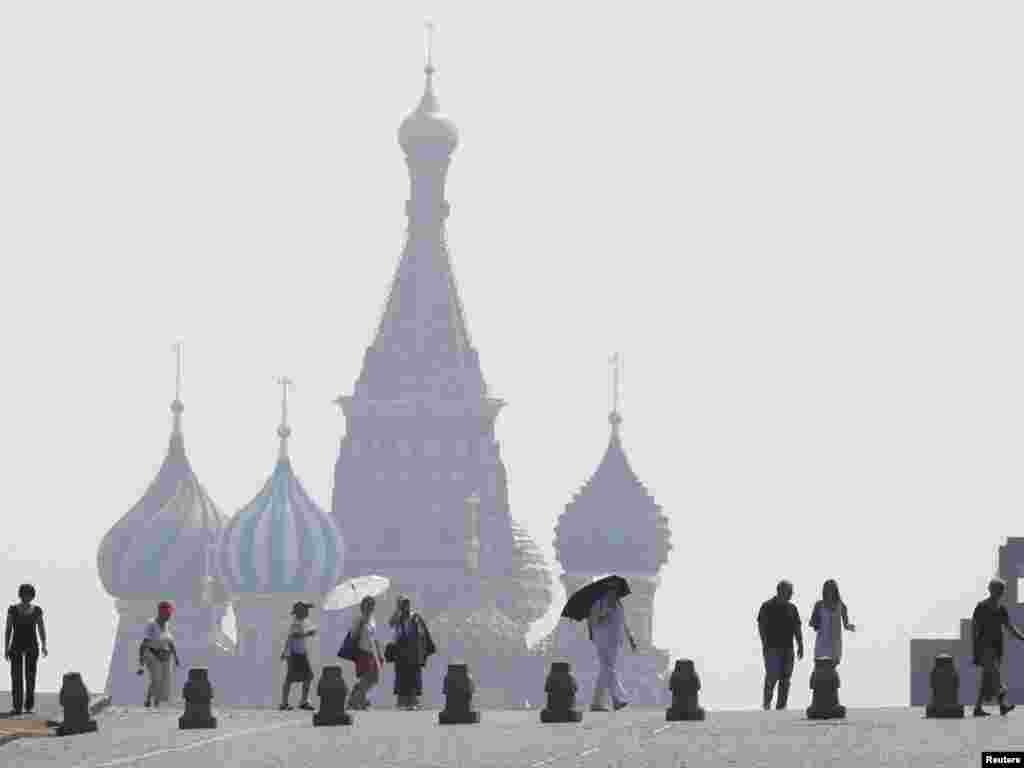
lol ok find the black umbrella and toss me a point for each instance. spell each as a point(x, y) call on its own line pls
point(579, 605)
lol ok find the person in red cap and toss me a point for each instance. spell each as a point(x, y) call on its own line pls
point(155, 654)
point(295, 653)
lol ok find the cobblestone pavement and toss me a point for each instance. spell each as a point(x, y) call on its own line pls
point(638, 738)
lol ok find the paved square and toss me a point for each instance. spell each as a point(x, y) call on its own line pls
point(637, 738)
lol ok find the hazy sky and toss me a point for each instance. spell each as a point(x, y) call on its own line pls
point(798, 221)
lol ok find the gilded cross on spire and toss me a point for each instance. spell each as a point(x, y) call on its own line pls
point(616, 365)
point(284, 431)
point(428, 28)
point(177, 382)
point(177, 407)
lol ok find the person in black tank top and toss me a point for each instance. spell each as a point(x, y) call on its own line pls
point(21, 648)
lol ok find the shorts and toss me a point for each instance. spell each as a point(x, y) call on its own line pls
point(778, 663)
point(299, 670)
point(365, 663)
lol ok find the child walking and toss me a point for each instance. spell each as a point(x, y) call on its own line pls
point(296, 654)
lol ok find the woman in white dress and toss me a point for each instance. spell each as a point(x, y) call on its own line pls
point(155, 654)
point(829, 618)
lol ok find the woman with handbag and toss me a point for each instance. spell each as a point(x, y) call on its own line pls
point(368, 658)
point(155, 654)
point(409, 651)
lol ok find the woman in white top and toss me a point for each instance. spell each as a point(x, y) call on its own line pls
point(155, 654)
point(829, 618)
point(369, 659)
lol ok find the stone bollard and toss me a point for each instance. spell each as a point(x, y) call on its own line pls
point(332, 692)
point(684, 684)
point(198, 694)
point(74, 698)
point(825, 685)
point(458, 689)
point(945, 680)
point(561, 689)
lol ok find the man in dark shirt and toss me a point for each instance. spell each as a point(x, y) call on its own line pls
point(989, 620)
point(778, 621)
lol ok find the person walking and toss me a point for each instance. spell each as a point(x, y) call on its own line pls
point(21, 648)
point(369, 659)
point(829, 618)
point(778, 622)
point(411, 647)
point(989, 619)
point(607, 628)
point(297, 655)
point(155, 654)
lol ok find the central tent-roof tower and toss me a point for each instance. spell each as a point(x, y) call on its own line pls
point(420, 423)
point(422, 346)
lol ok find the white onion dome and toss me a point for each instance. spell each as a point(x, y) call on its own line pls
point(613, 523)
point(484, 631)
point(528, 594)
point(426, 129)
point(281, 541)
point(163, 546)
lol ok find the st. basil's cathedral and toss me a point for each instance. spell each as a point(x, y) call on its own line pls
point(420, 496)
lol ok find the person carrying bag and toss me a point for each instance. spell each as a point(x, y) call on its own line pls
point(363, 645)
point(409, 651)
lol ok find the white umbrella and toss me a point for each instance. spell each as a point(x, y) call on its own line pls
point(352, 592)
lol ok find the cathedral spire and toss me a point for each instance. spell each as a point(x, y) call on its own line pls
point(177, 407)
point(428, 104)
point(284, 431)
point(615, 418)
point(426, 132)
point(422, 348)
point(428, 29)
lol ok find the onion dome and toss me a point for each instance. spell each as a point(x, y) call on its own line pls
point(528, 593)
point(426, 128)
point(613, 523)
point(482, 632)
point(281, 541)
point(163, 546)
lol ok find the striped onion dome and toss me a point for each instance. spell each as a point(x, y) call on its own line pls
point(281, 542)
point(163, 546)
point(613, 523)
